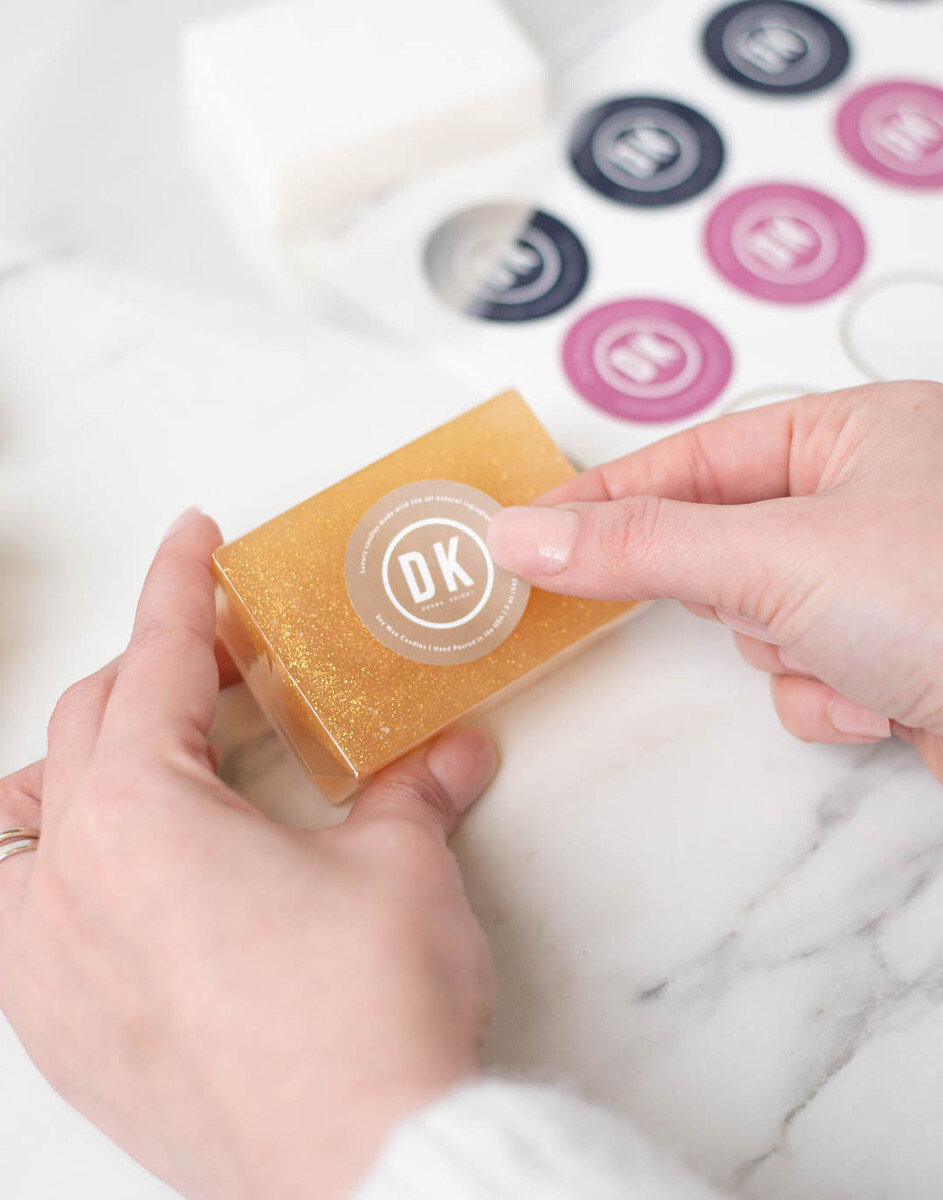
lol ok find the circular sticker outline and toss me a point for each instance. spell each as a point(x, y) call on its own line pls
point(860, 297)
point(851, 138)
point(447, 253)
point(583, 151)
point(579, 351)
point(845, 266)
point(370, 592)
point(714, 39)
point(751, 398)
point(453, 524)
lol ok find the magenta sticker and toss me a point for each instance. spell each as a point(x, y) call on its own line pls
point(646, 360)
point(895, 131)
point(785, 243)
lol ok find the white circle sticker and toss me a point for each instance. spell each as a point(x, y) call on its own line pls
point(421, 579)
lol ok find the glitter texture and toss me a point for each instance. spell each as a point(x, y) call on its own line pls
point(345, 703)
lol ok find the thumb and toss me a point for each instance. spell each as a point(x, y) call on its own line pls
point(645, 548)
point(432, 786)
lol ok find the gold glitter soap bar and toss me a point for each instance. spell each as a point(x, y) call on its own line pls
point(369, 617)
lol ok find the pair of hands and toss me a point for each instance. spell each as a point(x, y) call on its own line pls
point(247, 1009)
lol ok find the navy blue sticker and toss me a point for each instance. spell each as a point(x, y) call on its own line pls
point(782, 48)
point(646, 150)
point(506, 262)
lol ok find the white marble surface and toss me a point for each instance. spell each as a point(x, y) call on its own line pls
point(730, 936)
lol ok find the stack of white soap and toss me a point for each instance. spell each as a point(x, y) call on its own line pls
point(314, 104)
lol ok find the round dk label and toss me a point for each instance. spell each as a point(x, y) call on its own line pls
point(504, 262)
point(785, 243)
point(646, 150)
point(894, 130)
point(781, 48)
point(421, 579)
point(647, 360)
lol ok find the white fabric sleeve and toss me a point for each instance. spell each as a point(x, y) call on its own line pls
point(494, 1139)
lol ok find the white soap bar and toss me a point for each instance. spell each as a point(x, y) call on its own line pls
point(312, 105)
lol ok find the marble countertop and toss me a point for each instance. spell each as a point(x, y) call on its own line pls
point(727, 935)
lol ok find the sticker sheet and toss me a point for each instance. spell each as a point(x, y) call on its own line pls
point(732, 205)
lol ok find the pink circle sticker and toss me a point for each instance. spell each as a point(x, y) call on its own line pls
point(646, 360)
point(895, 131)
point(785, 243)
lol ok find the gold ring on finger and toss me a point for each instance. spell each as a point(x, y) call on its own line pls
point(17, 841)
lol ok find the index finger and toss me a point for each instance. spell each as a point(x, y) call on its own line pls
point(761, 454)
point(167, 686)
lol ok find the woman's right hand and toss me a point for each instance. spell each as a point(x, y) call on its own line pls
point(813, 528)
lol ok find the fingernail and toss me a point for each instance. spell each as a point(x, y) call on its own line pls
point(753, 629)
point(185, 518)
point(463, 761)
point(533, 541)
point(848, 717)
point(793, 664)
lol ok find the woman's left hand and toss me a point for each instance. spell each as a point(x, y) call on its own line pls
point(245, 1008)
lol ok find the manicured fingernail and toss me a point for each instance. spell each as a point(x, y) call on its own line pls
point(848, 717)
point(793, 664)
point(462, 761)
point(184, 519)
point(753, 629)
point(533, 541)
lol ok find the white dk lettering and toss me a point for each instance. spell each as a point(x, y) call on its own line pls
point(420, 589)
point(643, 356)
point(781, 242)
point(515, 261)
point(449, 565)
point(419, 578)
point(643, 150)
point(772, 48)
point(910, 134)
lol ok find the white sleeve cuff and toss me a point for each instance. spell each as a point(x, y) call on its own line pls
point(494, 1139)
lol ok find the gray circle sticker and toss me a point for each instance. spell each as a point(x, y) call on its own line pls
point(776, 46)
point(648, 151)
point(506, 262)
point(421, 579)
